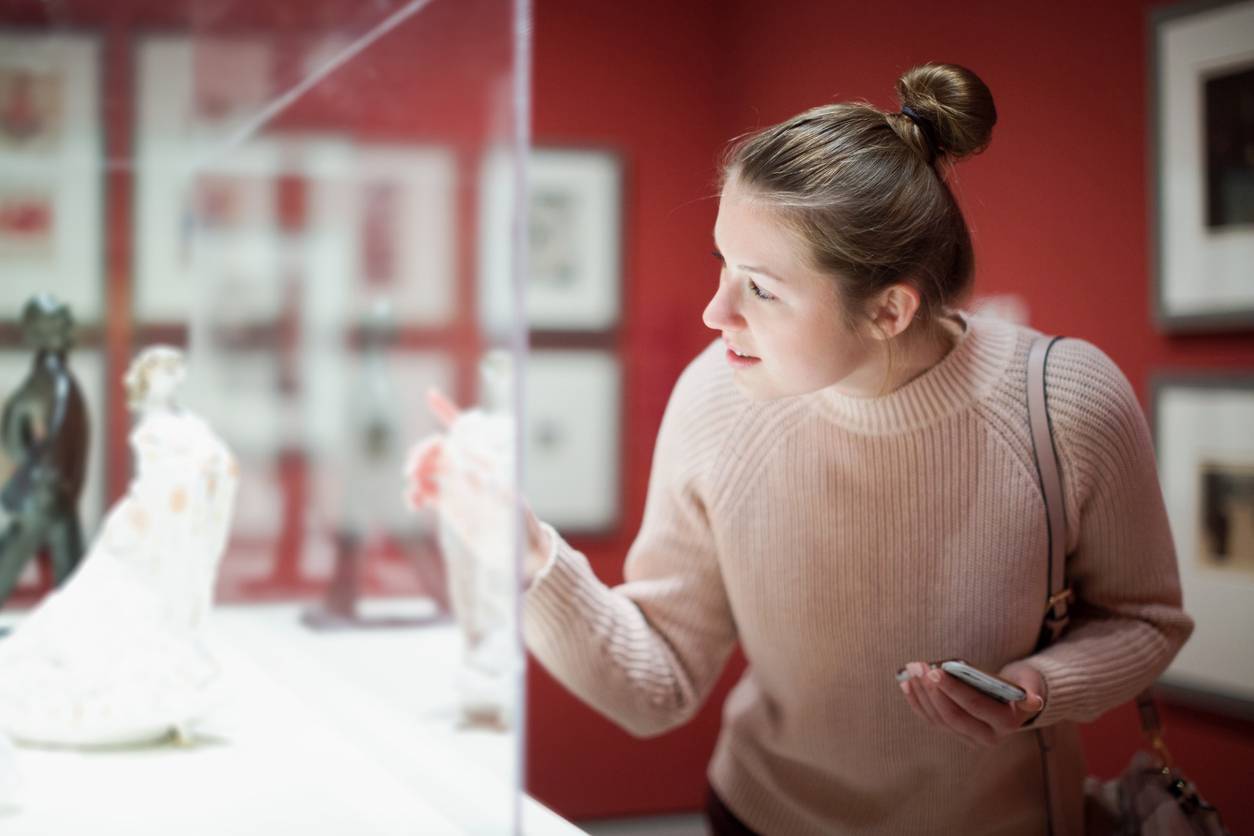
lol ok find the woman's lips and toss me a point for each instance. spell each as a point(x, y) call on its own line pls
point(739, 362)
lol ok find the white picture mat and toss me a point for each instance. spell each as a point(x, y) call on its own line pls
point(592, 181)
point(1202, 271)
point(573, 483)
point(72, 173)
point(1193, 424)
point(166, 67)
point(350, 487)
point(180, 271)
point(238, 393)
point(425, 242)
point(175, 257)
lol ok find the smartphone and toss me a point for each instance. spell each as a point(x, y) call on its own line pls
point(999, 689)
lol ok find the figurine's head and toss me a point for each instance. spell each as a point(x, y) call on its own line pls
point(154, 376)
point(47, 323)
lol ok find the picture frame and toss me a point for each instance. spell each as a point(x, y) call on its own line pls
point(207, 219)
point(1205, 455)
point(51, 171)
point(572, 438)
point(1202, 183)
point(574, 252)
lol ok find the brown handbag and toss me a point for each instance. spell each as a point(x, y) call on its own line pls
point(1151, 796)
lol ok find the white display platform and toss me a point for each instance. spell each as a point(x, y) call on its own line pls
point(321, 733)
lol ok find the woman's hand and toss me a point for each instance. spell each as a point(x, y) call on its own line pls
point(977, 720)
point(468, 487)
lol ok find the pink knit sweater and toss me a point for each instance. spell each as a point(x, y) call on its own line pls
point(836, 538)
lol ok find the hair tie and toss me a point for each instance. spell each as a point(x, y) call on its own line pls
point(925, 125)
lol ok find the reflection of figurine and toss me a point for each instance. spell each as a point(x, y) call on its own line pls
point(118, 655)
point(44, 432)
point(476, 535)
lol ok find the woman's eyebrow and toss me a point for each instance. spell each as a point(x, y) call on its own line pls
point(749, 269)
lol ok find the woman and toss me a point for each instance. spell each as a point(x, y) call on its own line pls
point(844, 483)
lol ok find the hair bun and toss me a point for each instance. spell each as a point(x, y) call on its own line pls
point(955, 101)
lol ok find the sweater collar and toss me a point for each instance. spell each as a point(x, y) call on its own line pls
point(963, 376)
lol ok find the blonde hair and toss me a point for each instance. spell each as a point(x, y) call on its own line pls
point(137, 374)
point(866, 189)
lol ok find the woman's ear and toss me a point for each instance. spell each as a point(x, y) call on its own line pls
point(893, 310)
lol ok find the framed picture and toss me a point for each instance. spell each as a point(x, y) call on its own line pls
point(572, 438)
point(1202, 133)
point(51, 176)
point(1206, 465)
point(573, 238)
point(207, 218)
point(393, 207)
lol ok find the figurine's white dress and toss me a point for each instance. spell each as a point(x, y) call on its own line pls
point(118, 654)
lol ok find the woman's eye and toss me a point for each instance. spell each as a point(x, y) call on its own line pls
point(759, 292)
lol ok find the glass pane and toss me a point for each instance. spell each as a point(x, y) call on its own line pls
point(276, 228)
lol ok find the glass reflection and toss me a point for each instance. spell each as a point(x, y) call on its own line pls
point(292, 198)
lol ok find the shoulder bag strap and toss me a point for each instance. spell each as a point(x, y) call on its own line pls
point(1058, 594)
point(1049, 473)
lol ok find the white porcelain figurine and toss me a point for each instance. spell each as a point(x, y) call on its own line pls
point(117, 655)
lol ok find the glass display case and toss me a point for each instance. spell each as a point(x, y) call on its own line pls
point(312, 205)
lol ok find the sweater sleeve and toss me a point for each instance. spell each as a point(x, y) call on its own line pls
point(1127, 621)
point(647, 652)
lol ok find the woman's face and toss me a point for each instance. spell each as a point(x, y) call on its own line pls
point(770, 304)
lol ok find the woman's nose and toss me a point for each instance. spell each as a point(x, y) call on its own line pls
point(721, 314)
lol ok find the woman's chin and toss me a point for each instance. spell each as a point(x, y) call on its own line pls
point(754, 385)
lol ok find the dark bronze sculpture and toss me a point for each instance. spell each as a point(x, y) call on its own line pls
point(44, 432)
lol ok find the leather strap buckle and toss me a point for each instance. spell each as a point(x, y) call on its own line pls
point(1064, 596)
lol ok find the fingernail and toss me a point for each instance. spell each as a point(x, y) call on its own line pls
point(935, 676)
point(915, 669)
point(905, 687)
point(1037, 703)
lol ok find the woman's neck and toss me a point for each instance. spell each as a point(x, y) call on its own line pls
point(908, 358)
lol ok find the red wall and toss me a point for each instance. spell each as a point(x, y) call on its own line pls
point(1057, 206)
point(642, 79)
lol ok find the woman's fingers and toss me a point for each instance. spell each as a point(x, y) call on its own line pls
point(915, 683)
point(913, 701)
point(993, 713)
point(955, 716)
point(421, 468)
point(445, 411)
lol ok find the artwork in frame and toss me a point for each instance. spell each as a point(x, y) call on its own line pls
point(1202, 133)
point(572, 438)
point(573, 239)
point(1206, 466)
point(51, 172)
point(394, 207)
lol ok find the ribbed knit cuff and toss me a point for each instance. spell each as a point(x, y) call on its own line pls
point(1063, 695)
point(560, 585)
